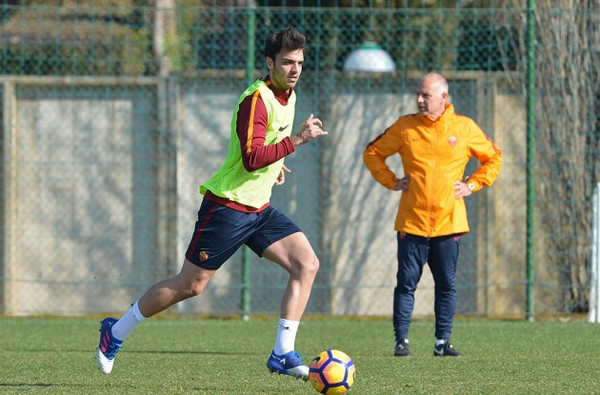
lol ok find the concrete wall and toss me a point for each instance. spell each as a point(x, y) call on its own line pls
point(81, 196)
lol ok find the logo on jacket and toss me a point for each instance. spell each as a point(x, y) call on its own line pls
point(281, 129)
point(452, 141)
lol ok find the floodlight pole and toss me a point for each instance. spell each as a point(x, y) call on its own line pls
point(530, 158)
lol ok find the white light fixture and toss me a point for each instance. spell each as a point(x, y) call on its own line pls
point(369, 57)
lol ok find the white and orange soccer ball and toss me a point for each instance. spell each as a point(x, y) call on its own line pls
point(332, 372)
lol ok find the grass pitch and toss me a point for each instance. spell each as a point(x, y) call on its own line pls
point(228, 356)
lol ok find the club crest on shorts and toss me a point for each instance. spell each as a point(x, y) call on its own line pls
point(203, 255)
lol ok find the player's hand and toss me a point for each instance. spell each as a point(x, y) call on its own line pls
point(402, 184)
point(461, 190)
point(311, 128)
point(281, 178)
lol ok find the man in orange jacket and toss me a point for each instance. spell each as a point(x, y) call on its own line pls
point(435, 146)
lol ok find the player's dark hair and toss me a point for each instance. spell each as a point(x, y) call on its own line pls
point(288, 39)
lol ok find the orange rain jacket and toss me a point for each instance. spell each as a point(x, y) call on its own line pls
point(434, 155)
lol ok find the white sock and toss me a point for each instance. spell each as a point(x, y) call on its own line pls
point(286, 336)
point(126, 324)
point(440, 341)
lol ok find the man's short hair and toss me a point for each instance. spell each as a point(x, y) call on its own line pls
point(441, 84)
point(288, 39)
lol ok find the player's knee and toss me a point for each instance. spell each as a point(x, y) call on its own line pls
point(305, 265)
point(311, 265)
point(195, 288)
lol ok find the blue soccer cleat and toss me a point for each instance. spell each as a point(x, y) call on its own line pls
point(289, 363)
point(108, 347)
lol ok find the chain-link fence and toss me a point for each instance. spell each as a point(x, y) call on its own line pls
point(112, 117)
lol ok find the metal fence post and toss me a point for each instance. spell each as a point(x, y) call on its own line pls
point(594, 311)
point(530, 158)
point(246, 259)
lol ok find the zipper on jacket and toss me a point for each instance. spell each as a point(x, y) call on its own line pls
point(432, 183)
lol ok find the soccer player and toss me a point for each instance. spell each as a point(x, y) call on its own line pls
point(235, 210)
point(435, 146)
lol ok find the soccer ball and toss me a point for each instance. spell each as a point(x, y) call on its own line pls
point(332, 372)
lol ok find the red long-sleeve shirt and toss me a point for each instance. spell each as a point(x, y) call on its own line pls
point(251, 128)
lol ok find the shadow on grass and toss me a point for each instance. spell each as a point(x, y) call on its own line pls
point(129, 351)
point(190, 352)
point(40, 385)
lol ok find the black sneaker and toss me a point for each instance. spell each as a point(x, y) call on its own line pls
point(446, 350)
point(402, 348)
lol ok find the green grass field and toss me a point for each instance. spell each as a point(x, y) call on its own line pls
point(228, 356)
